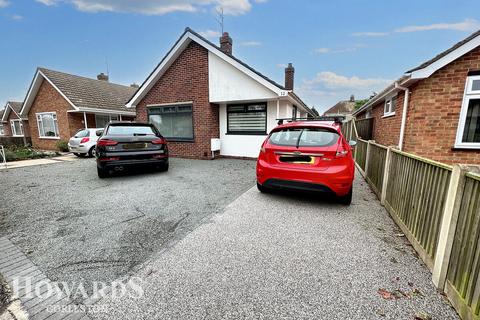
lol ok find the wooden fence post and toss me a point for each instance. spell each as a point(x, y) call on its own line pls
point(386, 173)
point(448, 225)
point(367, 157)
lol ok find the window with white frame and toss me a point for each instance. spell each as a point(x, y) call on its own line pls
point(47, 125)
point(101, 120)
point(2, 130)
point(468, 131)
point(17, 127)
point(389, 107)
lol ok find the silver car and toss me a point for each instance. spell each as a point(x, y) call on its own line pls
point(83, 142)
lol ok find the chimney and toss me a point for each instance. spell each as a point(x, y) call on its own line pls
point(289, 76)
point(226, 43)
point(352, 98)
point(102, 76)
point(134, 85)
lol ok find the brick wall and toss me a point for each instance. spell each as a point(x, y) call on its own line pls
point(49, 100)
point(187, 80)
point(434, 113)
point(8, 129)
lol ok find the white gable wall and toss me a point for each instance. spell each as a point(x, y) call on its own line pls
point(227, 83)
point(249, 145)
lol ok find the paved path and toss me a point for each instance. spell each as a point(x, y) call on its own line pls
point(32, 287)
point(37, 162)
point(277, 257)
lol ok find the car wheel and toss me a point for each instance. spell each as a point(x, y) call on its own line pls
point(262, 189)
point(163, 167)
point(102, 173)
point(346, 199)
point(91, 152)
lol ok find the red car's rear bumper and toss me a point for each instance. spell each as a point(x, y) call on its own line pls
point(337, 179)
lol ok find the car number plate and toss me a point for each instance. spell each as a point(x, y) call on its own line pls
point(135, 146)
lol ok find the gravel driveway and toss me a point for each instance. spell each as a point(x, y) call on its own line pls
point(76, 227)
point(284, 257)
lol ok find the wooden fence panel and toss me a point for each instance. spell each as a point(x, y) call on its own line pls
point(376, 167)
point(365, 128)
point(361, 153)
point(415, 196)
point(463, 281)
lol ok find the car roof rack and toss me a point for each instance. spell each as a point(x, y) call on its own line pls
point(336, 119)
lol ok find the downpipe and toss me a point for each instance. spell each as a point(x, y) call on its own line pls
point(404, 114)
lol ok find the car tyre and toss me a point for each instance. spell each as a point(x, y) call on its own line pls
point(91, 152)
point(77, 154)
point(346, 199)
point(102, 173)
point(163, 167)
point(262, 189)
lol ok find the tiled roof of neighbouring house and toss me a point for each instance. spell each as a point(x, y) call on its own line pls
point(90, 93)
point(342, 107)
point(16, 106)
point(444, 53)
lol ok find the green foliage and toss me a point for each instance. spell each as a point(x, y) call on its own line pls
point(15, 153)
point(359, 103)
point(62, 145)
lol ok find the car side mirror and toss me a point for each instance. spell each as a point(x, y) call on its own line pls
point(352, 143)
point(99, 133)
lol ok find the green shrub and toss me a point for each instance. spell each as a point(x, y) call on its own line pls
point(62, 145)
point(15, 153)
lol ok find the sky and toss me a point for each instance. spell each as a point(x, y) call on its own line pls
point(338, 48)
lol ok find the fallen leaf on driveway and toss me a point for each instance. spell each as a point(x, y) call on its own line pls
point(422, 316)
point(400, 235)
point(387, 295)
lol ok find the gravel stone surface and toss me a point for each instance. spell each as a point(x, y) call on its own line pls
point(282, 256)
point(79, 228)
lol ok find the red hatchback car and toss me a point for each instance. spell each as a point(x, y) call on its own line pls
point(310, 155)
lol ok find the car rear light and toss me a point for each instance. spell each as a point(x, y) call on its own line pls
point(84, 140)
point(106, 142)
point(159, 141)
point(109, 159)
point(341, 151)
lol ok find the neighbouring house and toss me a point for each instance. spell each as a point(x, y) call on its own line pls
point(433, 110)
point(59, 104)
point(200, 91)
point(12, 124)
point(344, 107)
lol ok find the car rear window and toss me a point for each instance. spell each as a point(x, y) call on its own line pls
point(130, 131)
point(82, 134)
point(304, 137)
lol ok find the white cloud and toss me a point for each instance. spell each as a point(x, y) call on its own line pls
point(156, 7)
point(250, 44)
point(327, 88)
point(210, 34)
point(281, 65)
point(4, 3)
point(370, 34)
point(466, 25)
point(16, 17)
point(340, 50)
point(48, 2)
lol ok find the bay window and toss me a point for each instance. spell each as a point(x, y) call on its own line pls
point(468, 131)
point(47, 125)
point(247, 119)
point(17, 127)
point(175, 122)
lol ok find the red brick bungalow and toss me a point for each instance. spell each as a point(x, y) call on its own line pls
point(59, 104)
point(201, 91)
point(434, 109)
point(12, 124)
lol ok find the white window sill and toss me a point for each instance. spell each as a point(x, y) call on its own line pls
point(50, 138)
point(16, 136)
point(388, 115)
point(467, 146)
